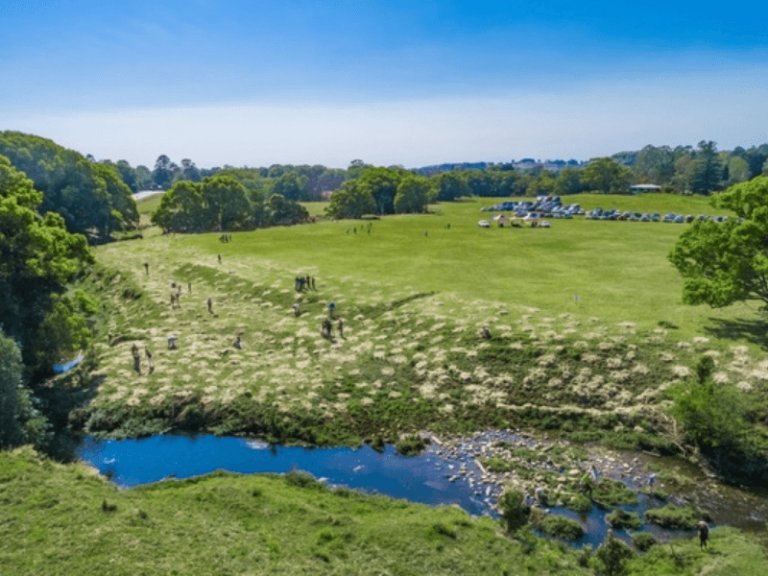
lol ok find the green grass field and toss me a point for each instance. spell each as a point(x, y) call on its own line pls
point(64, 519)
point(414, 294)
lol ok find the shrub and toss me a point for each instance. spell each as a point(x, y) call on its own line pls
point(512, 510)
point(620, 519)
point(613, 555)
point(411, 445)
point(303, 480)
point(561, 527)
point(670, 516)
point(643, 541)
point(579, 503)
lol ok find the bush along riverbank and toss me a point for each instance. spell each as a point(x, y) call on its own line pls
point(226, 523)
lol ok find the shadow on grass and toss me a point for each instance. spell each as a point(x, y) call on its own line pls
point(753, 331)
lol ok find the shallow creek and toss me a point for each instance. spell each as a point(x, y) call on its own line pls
point(449, 472)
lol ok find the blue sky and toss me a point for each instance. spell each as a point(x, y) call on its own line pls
point(412, 83)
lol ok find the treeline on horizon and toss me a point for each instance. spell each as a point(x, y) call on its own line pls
point(683, 169)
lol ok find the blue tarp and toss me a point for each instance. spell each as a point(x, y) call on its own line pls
point(61, 368)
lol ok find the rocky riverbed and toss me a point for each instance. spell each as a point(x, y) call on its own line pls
point(491, 461)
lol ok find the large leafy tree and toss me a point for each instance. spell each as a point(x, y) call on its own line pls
point(38, 257)
point(723, 263)
point(181, 209)
point(291, 186)
point(351, 201)
point(707, 168)
point(655, 164)
point(606, 175)
point(382, 184)
point(91, 198)
point(413, 194)
point(450, 186)
point(164, 171)
point(226, 202)
point(20, 421)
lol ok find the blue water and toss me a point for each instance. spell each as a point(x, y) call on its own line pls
point(425, 478)
point(421, 478)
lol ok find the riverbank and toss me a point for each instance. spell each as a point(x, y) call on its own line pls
point(230, 524)
point(470, 472)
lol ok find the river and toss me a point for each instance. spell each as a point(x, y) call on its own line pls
point(436, 477)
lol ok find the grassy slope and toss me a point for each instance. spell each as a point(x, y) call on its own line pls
point(410, 358)
point(51, 522)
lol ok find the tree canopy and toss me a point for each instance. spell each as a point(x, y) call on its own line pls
point(723, 263)
point(92, 198)
point(607, 176)
point(221, 202)
point(38, 257)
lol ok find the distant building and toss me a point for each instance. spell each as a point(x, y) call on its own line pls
point(638, 188)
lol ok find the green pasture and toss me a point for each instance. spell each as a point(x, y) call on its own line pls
point(618, 270)
point(64, 519)
point(414, 293)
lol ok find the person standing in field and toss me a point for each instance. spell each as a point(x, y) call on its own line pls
point(150, 360)
point(703, 529)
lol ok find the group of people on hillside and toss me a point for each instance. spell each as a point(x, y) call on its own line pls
point(137, 359)
point(301, 284)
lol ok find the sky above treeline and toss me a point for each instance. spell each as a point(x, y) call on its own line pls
point(253, 83)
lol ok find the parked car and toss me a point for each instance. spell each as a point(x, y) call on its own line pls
point(655, 217)
point(689, 218)
point(484, 224)
point(680, 219)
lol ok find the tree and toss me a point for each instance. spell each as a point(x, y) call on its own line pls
point(723, 263)
point(450, 186)
point(382, 184)
point(127, 174)
point(684, 173)
point(20, 420)
point(85, 194)
point(182, 208)
point(413, 194)
point(284, 212)
point(38, 257)
point(351, 201)
point(613, 555)
point(715, 418)
point(512, 510)
point(143, 177)
point(162, 175)
point(291, 186)
point(655, 165)
point(606, 175)
point(707, 169)
point(738, 170)
point(11, 369)
point(569, 182)
point(226, 202)
point(189, 171)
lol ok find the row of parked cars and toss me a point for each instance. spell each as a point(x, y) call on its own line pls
point(615, 214)
point(549, 206)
